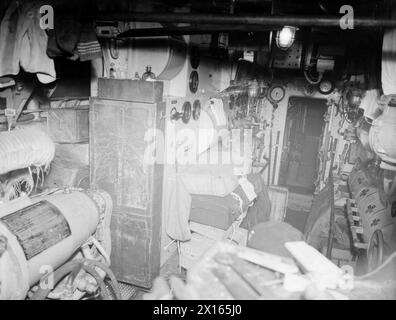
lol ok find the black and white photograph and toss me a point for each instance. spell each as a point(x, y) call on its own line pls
point(202, 150)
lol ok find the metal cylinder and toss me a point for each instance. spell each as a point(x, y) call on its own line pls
point(42, 233)
point(370, 205)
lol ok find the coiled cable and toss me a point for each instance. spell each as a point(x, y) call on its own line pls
point(23, 148)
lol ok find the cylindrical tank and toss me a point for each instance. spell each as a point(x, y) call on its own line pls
point(382, 136)
point(371, 205)
point(41, 234)
point(165, 55)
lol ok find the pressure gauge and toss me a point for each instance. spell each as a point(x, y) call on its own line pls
point(276, 93)
point(194, 81)
point(326, 87)
point(186, 112)
point(196, 112)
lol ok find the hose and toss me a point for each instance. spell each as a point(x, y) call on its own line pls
point(73, 267)
point(58, 275)
point(110, 274)
point(101, 250)
point(99, 281)
point(310, 81)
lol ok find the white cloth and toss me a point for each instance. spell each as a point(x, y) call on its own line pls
point(370, 103)
point(23, 43)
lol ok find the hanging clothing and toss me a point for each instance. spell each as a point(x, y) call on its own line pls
point(73, 39)
point(23, 43)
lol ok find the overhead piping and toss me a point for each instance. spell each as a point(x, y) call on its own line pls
point(276, 21)
point(190, 30)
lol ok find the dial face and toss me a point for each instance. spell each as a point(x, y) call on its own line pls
point(196, 109)
point(277, 93)
point(186, 112)
point(194, 81)
point(326, 87)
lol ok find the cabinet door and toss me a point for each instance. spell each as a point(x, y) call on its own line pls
point(117, 148)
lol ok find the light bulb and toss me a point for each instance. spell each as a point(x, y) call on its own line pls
point(285, 37)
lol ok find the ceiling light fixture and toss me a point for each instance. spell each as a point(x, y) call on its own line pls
point(285, 37)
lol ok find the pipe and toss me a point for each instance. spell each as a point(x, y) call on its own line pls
point(191, 30)
point(330, 239)
point(275, 21)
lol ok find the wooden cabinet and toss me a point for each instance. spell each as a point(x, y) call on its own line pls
point(117, 165)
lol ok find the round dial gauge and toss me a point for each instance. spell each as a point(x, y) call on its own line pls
point(194, 81)
point(276, 93)
point(186, 112)
point(196, 110)
point(326, 87)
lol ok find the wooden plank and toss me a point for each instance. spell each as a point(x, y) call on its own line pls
point(238, 288)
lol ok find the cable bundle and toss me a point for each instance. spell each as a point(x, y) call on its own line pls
point(23, 148)
point(18, 182)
